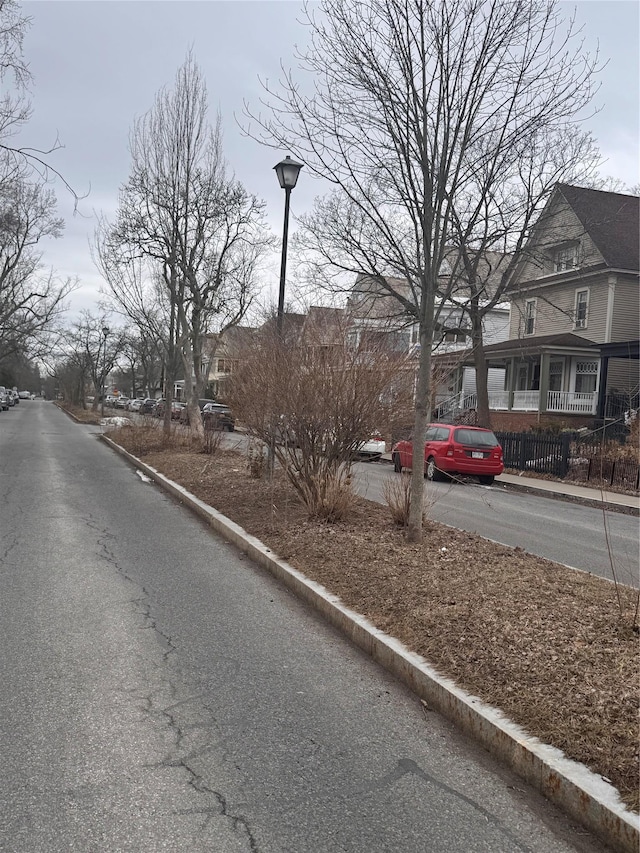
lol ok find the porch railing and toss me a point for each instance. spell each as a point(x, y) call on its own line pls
point(566, 402)
point(579, 402)
point(525, 401)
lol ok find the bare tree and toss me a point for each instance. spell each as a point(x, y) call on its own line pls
point(411, 100)
point(31, 299)
point(86, 358)
point(15, 107)
point(195, 226)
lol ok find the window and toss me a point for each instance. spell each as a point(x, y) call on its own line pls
point(522, 382)
point(530, 316)
point(225, 365)
point(555, 375)
point(565, 257)
point(586, 375)
point(582, 309)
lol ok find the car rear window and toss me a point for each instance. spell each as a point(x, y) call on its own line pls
point(476, 438)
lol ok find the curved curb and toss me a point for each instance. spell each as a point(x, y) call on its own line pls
point(579, 792)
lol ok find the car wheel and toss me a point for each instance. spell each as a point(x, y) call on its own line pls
point(432, 471)
point(486, 479)
point(397, 464)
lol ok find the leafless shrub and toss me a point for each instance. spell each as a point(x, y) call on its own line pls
point(328, 496)
point(211, 441)
point(396, 492)
point(312, 400)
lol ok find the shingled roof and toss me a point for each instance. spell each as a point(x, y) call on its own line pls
point(611, 220)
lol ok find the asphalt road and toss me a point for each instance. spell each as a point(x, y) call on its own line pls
point(158, 692)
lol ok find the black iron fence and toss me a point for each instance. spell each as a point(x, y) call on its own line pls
point(591, 457)
point(542, 453)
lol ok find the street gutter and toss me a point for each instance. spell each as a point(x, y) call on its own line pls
point(583, 795)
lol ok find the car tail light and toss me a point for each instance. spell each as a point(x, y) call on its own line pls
point(449, 450)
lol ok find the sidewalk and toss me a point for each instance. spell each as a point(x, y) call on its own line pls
point(562, 490)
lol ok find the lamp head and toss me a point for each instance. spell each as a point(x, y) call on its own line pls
point(287, 171)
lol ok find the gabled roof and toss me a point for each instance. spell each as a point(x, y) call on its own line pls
point(324, 326)
point(611, 220)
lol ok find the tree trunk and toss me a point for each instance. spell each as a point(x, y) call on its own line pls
point(422, 418)
point(483, 415)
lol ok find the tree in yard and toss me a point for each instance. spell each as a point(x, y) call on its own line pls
point(412, 100)
point(193, 225)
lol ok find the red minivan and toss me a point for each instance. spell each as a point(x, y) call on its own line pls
point(451, 449)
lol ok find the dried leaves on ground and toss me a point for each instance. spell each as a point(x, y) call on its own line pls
point(554, 648)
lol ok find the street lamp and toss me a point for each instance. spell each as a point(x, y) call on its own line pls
point(287, 171)
point(105, 334)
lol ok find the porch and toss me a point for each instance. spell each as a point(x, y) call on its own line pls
point(555, 402)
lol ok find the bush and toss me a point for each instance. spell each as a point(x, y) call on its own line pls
point(396, 492)
point(328, 496)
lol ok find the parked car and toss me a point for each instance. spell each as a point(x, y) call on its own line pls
point(4, 399)
point(218, 416)
point(453, 449)
point(121, 402)
point(136, 405)
point(372, 449)
point(184, 414)
point(24, 395)
point(148, 405)
point(176, 410)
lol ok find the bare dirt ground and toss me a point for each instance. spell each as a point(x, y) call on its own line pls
point(555, 649)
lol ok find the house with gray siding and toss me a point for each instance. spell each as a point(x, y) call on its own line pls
point(572, 348)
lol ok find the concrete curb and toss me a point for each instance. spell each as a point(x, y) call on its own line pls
point(583, 795)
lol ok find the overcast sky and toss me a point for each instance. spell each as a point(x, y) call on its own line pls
point(98, 64)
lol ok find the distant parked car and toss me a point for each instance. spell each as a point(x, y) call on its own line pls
point(451, 449)
point(148, 405)
point(24, 395)
point(218, 416)
point(121, 402)
point(158, 409)
point(136, 405)
point(4, 399)
point(372, 449)
point(184, 414)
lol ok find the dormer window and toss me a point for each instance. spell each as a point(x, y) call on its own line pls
point(565, 257)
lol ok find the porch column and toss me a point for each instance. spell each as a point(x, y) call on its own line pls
point(511, 382)
point(602, 386)
point(543, 397)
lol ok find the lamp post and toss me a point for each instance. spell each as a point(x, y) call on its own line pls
point(287, 171)
point(105, 334)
